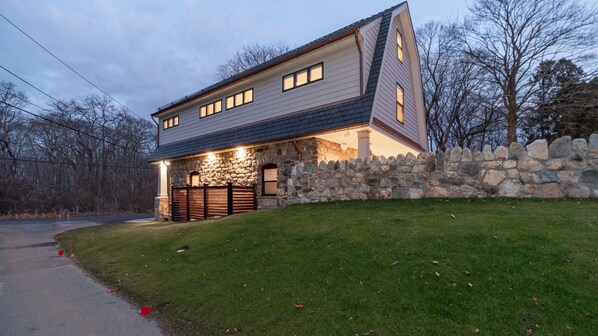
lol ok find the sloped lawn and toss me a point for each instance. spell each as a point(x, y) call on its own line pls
point(429, 267)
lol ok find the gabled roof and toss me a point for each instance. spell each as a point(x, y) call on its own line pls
point(344, 114)
point(315, 44)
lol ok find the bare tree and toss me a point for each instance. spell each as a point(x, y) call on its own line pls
point(509, 38)
point(249, 56)
point(460, 104)
point(11, 123)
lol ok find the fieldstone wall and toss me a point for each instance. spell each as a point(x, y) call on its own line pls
point(244, 167)
point(565, 168)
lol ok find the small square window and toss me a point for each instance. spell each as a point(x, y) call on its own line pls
point(202, 112)
point(301, 78)
point(239, 99)
point(315, 73)
point(218, 106)
point(248, 96)
point(210, 109)
point(288, 82)
point(230, 102)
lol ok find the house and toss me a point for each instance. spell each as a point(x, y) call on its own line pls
point(353, 93)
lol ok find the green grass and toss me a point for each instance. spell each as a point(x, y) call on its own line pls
point(506, 267)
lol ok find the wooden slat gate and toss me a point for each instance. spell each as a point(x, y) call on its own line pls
point(193, 203)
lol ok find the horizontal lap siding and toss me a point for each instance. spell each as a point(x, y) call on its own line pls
point(341, 81)
point(391, 73)
point(370, 35)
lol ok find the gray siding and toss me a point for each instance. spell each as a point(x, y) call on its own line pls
point(341, 81)
point(369, 34)
point(393, 72)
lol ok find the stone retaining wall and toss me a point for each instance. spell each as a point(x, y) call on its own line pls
point(565, 168)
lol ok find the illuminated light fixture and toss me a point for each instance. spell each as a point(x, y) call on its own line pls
point(241, 153)
point(344, 146)
point(166, 163)
point(211, 157)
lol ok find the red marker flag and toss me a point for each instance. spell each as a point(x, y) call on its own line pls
point(145, 310)
point(60, 253)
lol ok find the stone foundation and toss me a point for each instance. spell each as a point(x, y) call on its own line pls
point(566, 168)
point(244, 167)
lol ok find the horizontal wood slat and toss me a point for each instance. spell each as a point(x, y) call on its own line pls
point(196, 203)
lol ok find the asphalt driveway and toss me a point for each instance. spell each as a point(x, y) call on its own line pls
point(44, 294)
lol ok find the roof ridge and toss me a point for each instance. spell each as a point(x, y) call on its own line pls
point(279, 59)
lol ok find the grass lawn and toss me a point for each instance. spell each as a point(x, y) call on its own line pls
point(430, 267)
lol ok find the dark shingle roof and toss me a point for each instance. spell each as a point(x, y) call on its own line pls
point(353, 112)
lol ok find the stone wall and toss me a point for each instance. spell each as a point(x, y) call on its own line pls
point(566, 168)
point(244, 167)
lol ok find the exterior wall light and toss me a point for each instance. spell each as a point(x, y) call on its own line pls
point(241, 153)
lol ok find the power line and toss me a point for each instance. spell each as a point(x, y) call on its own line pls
point(68, 66)
point(69, 127)
point(33, 86)
point(73, 163)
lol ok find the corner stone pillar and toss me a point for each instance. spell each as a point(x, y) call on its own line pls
point(363, 144)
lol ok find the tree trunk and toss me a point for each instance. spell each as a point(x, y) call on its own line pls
point(511, 126)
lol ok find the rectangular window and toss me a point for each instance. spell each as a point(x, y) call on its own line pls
point(399, 46)
point(211, 108)
point(170, 122)
point(400, 105)
point(302, 77)
point(238, 99)
point(270, 180)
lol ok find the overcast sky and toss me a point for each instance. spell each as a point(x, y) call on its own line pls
point(146, 53)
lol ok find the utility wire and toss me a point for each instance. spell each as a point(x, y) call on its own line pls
point(73, 163)
point(68, 66)
point(33, 86)
point(71, 128)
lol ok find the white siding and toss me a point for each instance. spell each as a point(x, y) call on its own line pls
point(341, 81)
point(393, 72)
point(369, 33)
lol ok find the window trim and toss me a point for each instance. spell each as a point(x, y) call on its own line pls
point(309, 81)
point(402, 54)
point(206, 106)
point(264, 168)
point(402, 103)
point(174, 118)
point(243, 103)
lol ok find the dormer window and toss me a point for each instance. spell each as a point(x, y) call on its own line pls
point(211, 108)
point(238, 99)
point(171, 122)
point(302, 77)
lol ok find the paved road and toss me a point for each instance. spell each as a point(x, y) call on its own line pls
point(43, 294)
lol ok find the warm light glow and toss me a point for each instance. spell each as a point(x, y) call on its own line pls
point(166, 163)
point(344, 146)
point(211, 157)
point(241, 153)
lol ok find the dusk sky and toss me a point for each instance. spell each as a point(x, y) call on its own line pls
point(146, 53)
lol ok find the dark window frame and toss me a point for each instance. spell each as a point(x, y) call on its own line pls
point(402, 104)
point(309, 81)
point(264, 168)
point(243, 103)
point(173, 118)
point(213, 113)
point(401, 46)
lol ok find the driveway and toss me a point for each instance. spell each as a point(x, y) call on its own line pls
point(44, 294)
